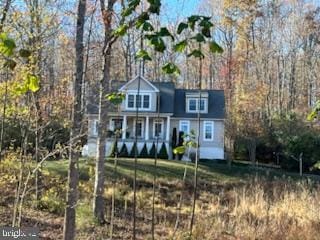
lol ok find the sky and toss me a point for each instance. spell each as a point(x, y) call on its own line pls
point(180, 8)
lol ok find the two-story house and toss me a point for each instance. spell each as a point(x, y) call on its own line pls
point(178, 108)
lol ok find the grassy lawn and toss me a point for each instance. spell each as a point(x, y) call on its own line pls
point(234, 202)
point(168, 170)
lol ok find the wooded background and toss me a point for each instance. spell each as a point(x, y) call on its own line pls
point(77, 51)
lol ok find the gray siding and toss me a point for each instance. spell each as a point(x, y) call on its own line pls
point(218, 136)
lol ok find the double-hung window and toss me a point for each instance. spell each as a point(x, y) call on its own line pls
point(194, 104)
point(208, 130)
point(184, 126)
point(141, 101)
point(130, 103)
point(146, 101)
point(203, 104)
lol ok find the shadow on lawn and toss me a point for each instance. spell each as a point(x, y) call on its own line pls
point(172, 171)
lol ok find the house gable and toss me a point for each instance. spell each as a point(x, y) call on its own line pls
point(145, 85)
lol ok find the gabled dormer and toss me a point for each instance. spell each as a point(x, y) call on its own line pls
point(145, 101)
point(194, 102)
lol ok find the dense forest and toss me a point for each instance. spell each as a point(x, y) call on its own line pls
point(59, 57)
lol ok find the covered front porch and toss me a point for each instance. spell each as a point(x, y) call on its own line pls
point(145, 128)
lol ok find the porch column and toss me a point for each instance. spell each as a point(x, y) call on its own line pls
point(124, 127)
point(168, 129)
point(147, 129)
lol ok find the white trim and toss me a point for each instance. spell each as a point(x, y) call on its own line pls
point(123, 88)
point(196, 94)
point(127, 101)
point(211, 124)
point(141, 91)
point(142, 94)
point(146, 137)
point(124, 127)
point(188, 105)
point(95, 127)
point(197, 105)
point(142, 127)
point(154, 128)
point(195, 118)
point(168, 128)
point(184, 122)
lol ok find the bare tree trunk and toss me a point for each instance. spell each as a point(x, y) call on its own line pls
point(179, 206)
point(38, 115)
point(98, 201)
point(4, 14)
point(251, 146)
point(85, 67)
point(154, 182)
point(2, 21)
point(195, 186)
point(24, 141)
point(73, 178)
point(4, 110)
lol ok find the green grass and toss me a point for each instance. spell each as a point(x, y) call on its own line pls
point(170, 170)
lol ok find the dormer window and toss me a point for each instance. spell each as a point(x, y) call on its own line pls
point(193, 105)
point(141, 101)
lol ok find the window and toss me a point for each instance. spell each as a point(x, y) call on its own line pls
point(146, 101)
point(193, 105)
point(202, 105)
point(158, 128)
point(184, 126)
point(95, 127)
point(116, 124)
point(138, 101)
point(141, 101)
point(130, 101)
point(208, 131)
point(138, 128)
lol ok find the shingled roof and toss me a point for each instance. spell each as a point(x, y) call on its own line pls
point(174, 101)
point(216, 105)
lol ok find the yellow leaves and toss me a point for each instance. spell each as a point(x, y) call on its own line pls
point(248, 107)
point(63, 39)
point(228, 21)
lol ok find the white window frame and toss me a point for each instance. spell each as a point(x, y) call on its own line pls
point(127, 101)
point(135, 94)
point(95, 125)
point(205, 110)
point(197, 105)
point(205, 124)
point(154, 128)
point(187, 122)
point(142, 127)
point(142, 101)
